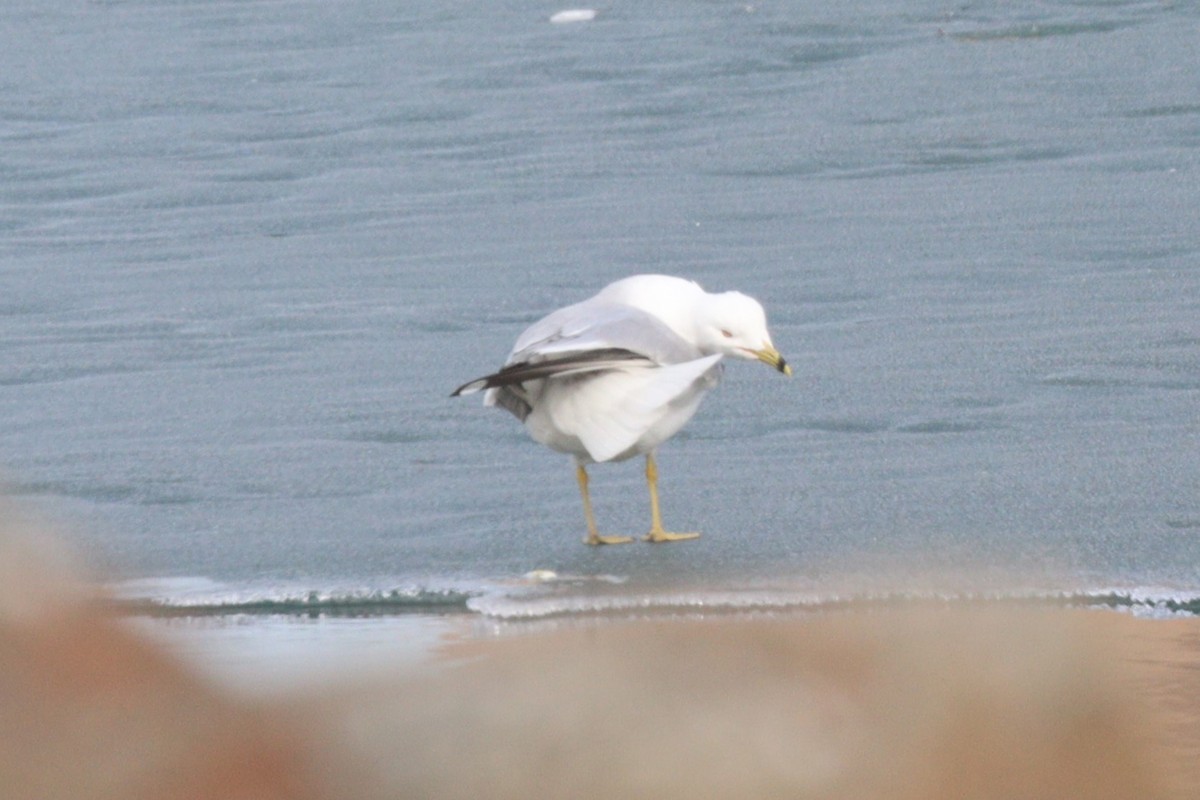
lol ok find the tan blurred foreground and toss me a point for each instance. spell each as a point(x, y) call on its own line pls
point(905, 703)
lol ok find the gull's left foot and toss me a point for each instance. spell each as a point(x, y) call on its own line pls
point(658, 537)
point(596, 539)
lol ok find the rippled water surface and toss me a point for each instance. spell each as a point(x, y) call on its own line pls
point(248, 248)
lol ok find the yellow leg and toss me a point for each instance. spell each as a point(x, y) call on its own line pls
point(593, 536)
point(657, 534)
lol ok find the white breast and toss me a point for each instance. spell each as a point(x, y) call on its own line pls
point(620, 413)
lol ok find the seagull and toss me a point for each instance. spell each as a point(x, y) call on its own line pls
point(618, 374)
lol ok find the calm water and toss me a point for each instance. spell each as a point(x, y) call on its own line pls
point(247, 249)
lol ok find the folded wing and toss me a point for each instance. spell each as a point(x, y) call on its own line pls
point(586, 338)
point(551, 366)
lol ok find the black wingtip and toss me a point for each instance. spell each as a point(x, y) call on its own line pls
point(470, 387)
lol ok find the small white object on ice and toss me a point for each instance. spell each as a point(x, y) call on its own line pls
point(574, 15)
point(541, 575)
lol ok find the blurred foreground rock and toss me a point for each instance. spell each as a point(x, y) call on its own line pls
point(929, 704)
point(89, 710)
point(895, 704)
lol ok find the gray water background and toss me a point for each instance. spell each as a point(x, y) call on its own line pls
point(248, 248)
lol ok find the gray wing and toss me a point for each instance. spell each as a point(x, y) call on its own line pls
point(588, 337)
point(594, 326)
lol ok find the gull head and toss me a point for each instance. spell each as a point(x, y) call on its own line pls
point(734, 324)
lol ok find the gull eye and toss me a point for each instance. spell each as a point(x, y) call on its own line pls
point(728, 334)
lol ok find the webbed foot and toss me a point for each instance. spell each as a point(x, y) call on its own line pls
point(659, 536)
point(597, 539)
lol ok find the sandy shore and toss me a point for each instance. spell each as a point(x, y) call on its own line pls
point(908, 702)
point(1158, 664)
